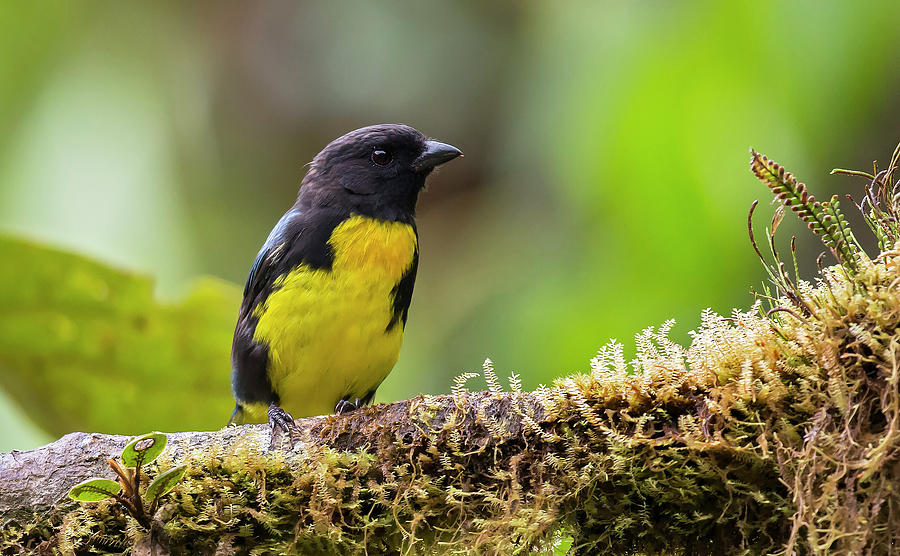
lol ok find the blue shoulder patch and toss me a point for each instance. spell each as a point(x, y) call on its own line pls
point(271, 250)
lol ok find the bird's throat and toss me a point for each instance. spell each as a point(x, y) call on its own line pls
point(369, 245)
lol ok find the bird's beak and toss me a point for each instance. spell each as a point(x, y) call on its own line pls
point(435, 153)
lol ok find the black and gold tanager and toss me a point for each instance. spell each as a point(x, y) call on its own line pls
point(325, 305)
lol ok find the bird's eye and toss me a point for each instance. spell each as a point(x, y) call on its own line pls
point(381, 157)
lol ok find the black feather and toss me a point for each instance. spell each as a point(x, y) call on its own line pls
point(402, 294)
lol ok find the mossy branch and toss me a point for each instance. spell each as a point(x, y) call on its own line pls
point(773, 432)
point(769, 433)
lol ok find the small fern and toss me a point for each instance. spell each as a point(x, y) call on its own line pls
point(515, 383)
point(459, 384)
point(824, 219)
point(490, 376)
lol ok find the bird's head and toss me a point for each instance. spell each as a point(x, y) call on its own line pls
point(376, 171)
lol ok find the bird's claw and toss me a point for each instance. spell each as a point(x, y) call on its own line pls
point(346, 406)
point(281, 423)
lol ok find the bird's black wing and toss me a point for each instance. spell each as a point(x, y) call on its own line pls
point(262, 273)
point(402, 294)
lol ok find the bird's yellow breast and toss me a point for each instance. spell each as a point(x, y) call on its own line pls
point(328, 330)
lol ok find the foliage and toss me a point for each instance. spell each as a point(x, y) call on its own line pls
point(165, 482)
point(138, 453)
point(86, 347)
point(94, 490)
point(144, 449)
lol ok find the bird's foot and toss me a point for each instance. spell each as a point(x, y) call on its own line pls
point(346, 406)
point(281, 423)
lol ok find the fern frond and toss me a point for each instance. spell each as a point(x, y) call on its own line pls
point(491, 377)
point(824, 219)
point(459, 384)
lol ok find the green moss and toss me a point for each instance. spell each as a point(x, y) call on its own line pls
point(670, 459)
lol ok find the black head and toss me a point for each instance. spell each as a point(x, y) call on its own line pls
point(375, 171)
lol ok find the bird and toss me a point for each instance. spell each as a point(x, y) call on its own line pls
point(326, 301)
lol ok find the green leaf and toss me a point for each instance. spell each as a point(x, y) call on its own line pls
point(93, 490)
point(144, 450)
point(165, 482)
point(84, 346)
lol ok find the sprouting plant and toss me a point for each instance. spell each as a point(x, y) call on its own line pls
point(127, 488)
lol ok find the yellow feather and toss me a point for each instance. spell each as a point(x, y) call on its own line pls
point(327, 329)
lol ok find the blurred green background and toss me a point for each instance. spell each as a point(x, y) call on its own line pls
point(604, 188)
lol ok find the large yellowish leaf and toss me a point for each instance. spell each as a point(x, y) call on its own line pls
point(87, 347)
